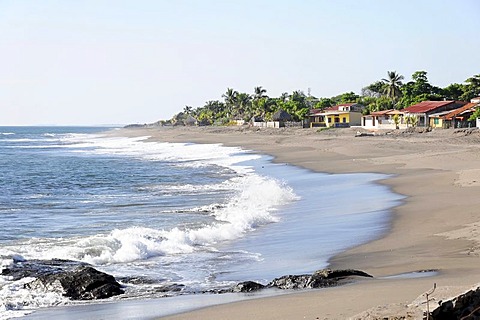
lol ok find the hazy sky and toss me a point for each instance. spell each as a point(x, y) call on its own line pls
point(117, 62)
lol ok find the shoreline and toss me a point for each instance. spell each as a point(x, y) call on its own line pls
point(430, 169)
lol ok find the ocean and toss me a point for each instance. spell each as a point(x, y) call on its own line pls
point(203, 216)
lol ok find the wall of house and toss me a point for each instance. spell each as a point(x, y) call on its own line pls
point(369, 122)
point(260, 124)
point(436, 122)
point(330, 121)
point(478, 122)
point(355, 118)
point(274, 124)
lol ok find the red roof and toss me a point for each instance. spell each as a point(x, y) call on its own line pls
point(335, 108)
point(426, 106)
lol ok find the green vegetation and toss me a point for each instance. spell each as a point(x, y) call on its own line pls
point(387, 93)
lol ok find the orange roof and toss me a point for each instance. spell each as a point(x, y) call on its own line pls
point(381, 113)
point(426, 106)
point(395, 111)
point(386, 112)
point(456, 112)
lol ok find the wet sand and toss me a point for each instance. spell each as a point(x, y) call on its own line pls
point(436, 227)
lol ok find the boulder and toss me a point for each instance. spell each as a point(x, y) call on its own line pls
point(464, 306)
point(76, 280)
point(247, 286)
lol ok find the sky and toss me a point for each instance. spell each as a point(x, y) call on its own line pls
point(120, 62)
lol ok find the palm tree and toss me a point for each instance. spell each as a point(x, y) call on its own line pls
point(215, 106)
point(230, 100)
point(244, 103)
point(230, 96)
point(259, 92)
point(393, 84)
point(298, 96)
point(187, 110)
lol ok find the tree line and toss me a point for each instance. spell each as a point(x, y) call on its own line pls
point(387, 93)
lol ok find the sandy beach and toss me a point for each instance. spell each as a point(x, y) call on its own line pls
point(436, 228)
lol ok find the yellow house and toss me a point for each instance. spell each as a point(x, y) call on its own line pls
point(437, 120)
point(339, 116)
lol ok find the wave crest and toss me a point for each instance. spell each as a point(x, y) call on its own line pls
point(254, 204)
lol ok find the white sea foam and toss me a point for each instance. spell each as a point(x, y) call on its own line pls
point(17, 301)
point(253, 205)
point(182, 154)
point(7, 133)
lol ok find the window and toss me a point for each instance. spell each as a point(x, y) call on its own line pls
point(344, 120)
point(436, 121)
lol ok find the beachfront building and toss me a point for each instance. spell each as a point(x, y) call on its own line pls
point(429, 113)
point(437, 120)
point(384, 119)
point(340, 116)
point(280, 119)
point(458, 118)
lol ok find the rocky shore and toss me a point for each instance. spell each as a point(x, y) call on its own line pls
point(73, 279)
point(81, 281)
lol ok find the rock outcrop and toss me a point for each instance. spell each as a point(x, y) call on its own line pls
point(319, 279)
point(76, 280)
point(464, 306)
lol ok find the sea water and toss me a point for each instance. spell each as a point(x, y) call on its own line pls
point(203, 216)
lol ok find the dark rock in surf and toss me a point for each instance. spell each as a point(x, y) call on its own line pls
point(319, 279)
point(76, 280)
point(247, 286)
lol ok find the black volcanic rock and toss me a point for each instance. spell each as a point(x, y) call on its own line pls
point(247, 286)
point(464, 306)
point(319, 279)
point(76, 280)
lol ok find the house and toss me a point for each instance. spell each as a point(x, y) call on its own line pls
point(279, 119)
point(340, 116)
point(437, 120)
point(458, 118)
point(426, 111)
point(190, 121)
point(384, 119)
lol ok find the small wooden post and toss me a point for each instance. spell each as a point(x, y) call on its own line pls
point(428, 301)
